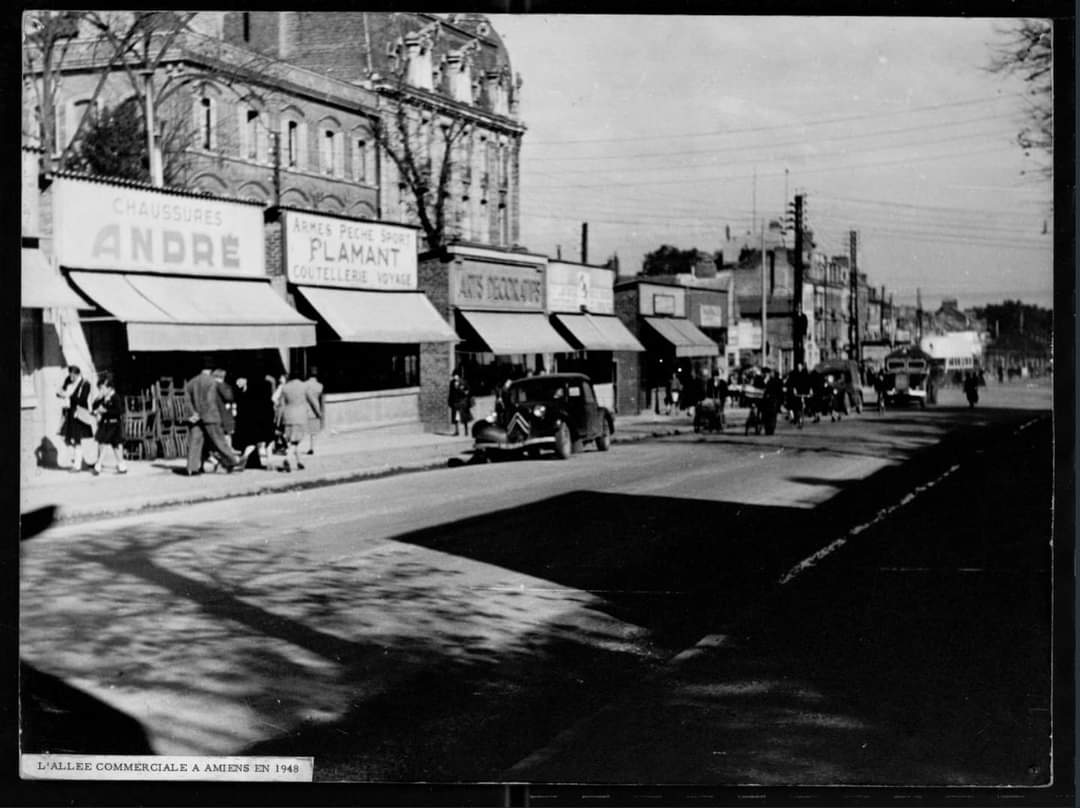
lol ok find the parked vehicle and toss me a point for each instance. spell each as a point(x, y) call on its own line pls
point(909, 377)
point(556, 411)
point(846, 377)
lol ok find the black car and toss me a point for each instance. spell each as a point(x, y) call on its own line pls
point(554, 411)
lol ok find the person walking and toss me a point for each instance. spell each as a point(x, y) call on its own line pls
point(971, 389)
point(296, 404)
point(109, 409)
point(316, 417)
point(255, 419)
point(204, 399)
point(458, 400)
point(675, 387)
point(78, 422)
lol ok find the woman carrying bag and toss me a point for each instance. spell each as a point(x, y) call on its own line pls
point(78, 423)
point(110, 432)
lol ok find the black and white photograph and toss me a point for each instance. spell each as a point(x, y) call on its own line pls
point(550, 401)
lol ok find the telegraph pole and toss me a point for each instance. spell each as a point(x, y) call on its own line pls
point(275, 149)
point(764, 303)
point(584, 242)
point(855, 333)
point(797, 315)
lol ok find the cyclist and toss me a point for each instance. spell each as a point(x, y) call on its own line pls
point(800, 389)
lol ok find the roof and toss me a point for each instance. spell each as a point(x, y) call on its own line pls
point(145, 186)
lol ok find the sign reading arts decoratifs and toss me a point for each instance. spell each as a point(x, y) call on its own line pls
point(571, 287)
point(101, 226)
point(326, 251)
point(474, 285)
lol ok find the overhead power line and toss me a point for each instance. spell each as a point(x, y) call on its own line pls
point(820, 122)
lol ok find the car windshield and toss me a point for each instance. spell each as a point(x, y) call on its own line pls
point(538, 390)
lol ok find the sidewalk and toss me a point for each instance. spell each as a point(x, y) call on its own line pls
point(342, 458)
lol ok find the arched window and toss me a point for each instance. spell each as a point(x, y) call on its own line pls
point(253, 141)
point(293, 136)
point(206, 123)
point(331, 149)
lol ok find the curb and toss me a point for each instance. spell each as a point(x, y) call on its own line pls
point(323, 481)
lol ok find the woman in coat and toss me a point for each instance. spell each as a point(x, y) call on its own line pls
point(459, 400)
point(297, 403)
point(255, 417)
point(110, 432)
point(78, 423)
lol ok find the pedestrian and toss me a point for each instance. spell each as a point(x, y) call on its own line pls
point(971, 389)
point(78, 422)
point(316, 417)
point(675, 386)
point(296, 403)
point(255, 419)
point(458, 399)
point(204, 399)
point(109, 409)
point(881, 389)
point(227, 399)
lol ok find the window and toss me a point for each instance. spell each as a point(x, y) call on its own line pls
point(251, 134)
point(360, 161)
point(292, 144)
point(329, 159)
point(205, 112)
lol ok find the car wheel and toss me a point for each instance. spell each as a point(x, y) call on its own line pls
point(563, 444)
point(603, 440)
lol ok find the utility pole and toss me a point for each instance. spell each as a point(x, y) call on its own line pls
point(558, 251)
point(584, 242)
point(855, 337)
point(764, 302)
point(918, 317)
point(797, 327)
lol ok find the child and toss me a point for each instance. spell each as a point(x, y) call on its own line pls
point(110, 432)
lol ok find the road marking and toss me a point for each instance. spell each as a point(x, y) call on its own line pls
point(813, 559)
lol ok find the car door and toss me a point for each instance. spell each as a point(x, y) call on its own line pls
point(590, 426)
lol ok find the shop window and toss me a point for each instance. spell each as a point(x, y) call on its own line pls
point(349, 367)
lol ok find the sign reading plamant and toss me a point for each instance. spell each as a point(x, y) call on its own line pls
point(324, 251)
point(167, 767)
point(101, 226)
point(494, 286)
point(571, 287)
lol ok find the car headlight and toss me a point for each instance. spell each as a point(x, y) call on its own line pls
point(539, 411)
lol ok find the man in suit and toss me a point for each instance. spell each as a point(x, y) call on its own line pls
point(204, 399)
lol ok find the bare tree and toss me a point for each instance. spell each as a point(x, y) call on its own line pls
point(140, 47)
point(1026, 51)
point(424, 146)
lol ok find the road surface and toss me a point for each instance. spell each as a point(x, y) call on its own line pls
point(450, 625)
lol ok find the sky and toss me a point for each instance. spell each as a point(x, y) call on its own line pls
point(670, 129)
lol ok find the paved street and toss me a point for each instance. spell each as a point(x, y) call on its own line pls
point(483, 622)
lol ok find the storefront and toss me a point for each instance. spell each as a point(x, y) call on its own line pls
point(177, 280)
point(358, 280)
point(657, 315)
point(496, 302)
point(49, 337)
point(581, 300)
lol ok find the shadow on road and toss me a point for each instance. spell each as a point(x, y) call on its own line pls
point(386, 664)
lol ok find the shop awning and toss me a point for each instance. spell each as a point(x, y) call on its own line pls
point(363, 316)
point(599, 332)
point(172, 313)
point(509, 333)
point(42, 286)
point(684, 336)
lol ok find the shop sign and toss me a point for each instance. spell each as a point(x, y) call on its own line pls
point(661, 300)
point(325, 251)
point(102, 226)
point(711, 316)
point(493, 286)
point(31, 195)
point(571, 288)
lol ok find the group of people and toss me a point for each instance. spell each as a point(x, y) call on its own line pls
point(238, 428)
point(92, 414)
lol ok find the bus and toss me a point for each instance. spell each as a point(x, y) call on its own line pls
point(909, 377)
